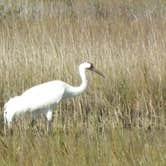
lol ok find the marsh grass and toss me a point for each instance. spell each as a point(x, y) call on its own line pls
point(119, 120)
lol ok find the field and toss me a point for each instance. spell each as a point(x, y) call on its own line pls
point(119, 120)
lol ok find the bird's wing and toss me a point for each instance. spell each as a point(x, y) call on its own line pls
point(11, 101)
point(44, 88)
point(44, 98)
point(16, 105)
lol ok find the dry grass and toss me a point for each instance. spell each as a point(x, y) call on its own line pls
point(119, 120)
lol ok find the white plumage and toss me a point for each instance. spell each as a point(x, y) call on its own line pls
point(43, 98)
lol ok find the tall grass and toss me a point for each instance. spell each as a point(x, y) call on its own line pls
point(119, 120)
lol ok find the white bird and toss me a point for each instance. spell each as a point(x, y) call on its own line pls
point(43, 98)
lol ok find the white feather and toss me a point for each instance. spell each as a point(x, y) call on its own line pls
point(43, 98)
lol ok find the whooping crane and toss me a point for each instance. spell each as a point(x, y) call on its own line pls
point(43, 98)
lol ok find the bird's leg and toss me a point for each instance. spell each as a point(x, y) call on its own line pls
point(7, 125)
point(49, 126)
point(49, 120)
point(11, 131)
point(4, 129)
point(8, 129)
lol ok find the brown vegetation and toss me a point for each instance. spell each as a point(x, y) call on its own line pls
point(119, 120)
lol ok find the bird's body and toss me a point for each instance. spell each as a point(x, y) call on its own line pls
point(43, 98)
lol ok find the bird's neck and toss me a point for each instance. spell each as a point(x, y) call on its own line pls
point(76, 90)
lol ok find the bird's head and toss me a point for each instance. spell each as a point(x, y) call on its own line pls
point(90, 66)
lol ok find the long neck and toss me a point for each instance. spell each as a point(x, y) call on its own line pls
point(76, 90)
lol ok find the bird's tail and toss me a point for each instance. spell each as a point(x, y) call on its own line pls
point(7, 109)
point(5, 121)
point(4, 117)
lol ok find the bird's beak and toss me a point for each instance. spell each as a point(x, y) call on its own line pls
point(98, 72)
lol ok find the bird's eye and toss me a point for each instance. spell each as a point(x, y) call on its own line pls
point(91, 66)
